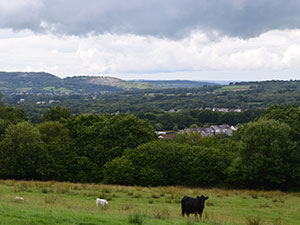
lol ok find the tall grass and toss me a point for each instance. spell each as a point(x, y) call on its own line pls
point(136, 219)
point(50, 199)
point(69, 203)
point(254, 221)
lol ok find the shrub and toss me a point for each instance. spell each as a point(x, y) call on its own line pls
point(277, 221)
point(161, 214)
point(50, 199)
point(253, 221)
point(136, 219)
point(168, 200)
point(155, 195)
point(119, 171)
point(137, 195)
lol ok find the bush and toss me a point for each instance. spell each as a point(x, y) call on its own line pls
point(253, 221)
point(119, 171)
point(162, 163)
point(136, 219)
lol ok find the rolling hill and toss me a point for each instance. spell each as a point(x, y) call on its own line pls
point(46, 83)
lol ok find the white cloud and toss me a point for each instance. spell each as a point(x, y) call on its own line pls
point(198, 56)
point(292, 56)
point(191, 39)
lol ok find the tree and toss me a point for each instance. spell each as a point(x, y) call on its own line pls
point(159, 163)
point(3, 125)
point(22, 153)
point(56, 113)
point(168, 163)
point(119, 171)
point(53, 131)
point(103, 138)
point(289, 114)
point(11, 114)
point(208, 166)
point(60, 149)
point(266, 155)
point(190, 138)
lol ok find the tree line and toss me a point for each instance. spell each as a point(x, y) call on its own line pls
point(158, 118)
point(123, 149)
point(243, 95)
point(194, 118)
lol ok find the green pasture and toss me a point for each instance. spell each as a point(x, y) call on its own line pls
point(63, 89)
point(233, 88)
point(67, 203)
point(51, 88)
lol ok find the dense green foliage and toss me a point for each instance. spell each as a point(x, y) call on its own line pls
point(201, 118)
point(159, 119)
point(22, 151)
point(56, 113)
point(268, 156)
point(70, 148)
point(245, 96)
point(161, 163)
point(99, 139)
point(124, 149)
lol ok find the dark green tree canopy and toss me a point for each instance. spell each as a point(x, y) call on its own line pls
point(56, 113)
point(266, 154)
point(22, 153)
point(103, 138)
point(168, 163)
point(289, 114)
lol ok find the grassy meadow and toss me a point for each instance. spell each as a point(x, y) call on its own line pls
point(233, 88)
point(68, 203)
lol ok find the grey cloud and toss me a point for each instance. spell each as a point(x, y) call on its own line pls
point(17, 14)
point(166, 18)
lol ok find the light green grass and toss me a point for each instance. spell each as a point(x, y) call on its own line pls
point(67, 203)
point(63, 89)
point(136, 85)
point(51, 88)
point(233, 88)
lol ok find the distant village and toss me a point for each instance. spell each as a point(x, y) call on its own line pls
point(211, 109)
point(205, 132)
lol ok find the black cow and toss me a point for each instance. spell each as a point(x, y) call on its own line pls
point(193, 205)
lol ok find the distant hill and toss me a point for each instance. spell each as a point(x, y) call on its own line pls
point(45, 83)
point(176, 83)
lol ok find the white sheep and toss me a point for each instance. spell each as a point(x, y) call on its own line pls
point(102, 202)
point(19, 198)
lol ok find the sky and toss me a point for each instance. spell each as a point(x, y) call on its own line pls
point(228, 40)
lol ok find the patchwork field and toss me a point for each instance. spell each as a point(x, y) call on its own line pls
point(233, 88)
point(68, 203)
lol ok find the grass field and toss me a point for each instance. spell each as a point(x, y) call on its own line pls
point(233, 88)
point(67, 203)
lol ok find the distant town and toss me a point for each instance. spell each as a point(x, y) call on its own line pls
point(205, 132)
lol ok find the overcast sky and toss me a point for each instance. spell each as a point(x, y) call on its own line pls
point(153, 39)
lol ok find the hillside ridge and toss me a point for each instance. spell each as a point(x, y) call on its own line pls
point(45, 83)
